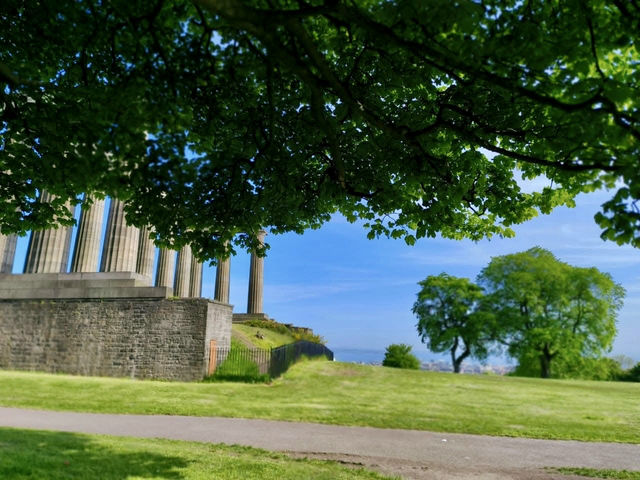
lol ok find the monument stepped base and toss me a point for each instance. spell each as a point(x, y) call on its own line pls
point(156, 338)
point(79, 285)
point(245, 317)
point(107, 324)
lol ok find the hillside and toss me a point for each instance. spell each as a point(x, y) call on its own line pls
point(271, 334)
point(260, 337)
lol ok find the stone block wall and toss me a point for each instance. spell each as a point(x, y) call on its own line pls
point(132, 337)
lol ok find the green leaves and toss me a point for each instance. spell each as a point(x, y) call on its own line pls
point(620, 219)
point(449, 319)
point(548, 309)
point(545, 312)
point(418, 116)
point(400, 356)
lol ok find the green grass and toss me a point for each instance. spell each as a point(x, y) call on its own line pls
point(271, 338)
point(34, 454)
point(349, 394)
point(596, 473)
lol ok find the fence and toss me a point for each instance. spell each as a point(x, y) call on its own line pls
point(244, 363)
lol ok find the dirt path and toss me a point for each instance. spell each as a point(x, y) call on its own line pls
point(410, 453)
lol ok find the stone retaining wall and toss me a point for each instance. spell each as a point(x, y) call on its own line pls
point(133, 337)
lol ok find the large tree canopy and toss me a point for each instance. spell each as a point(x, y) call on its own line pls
point(215, 117)
point(449, 319)
point(547, 310)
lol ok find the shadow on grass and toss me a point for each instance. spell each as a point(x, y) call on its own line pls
point(31, 454)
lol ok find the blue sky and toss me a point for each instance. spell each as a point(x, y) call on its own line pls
point(358, 293)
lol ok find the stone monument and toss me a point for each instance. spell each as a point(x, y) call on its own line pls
point(118, 321)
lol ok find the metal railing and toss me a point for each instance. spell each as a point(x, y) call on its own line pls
point(259, 364)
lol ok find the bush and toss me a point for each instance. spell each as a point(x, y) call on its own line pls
point(631, 375)
point(400, 356)
point(582, 368)
point(309, 337)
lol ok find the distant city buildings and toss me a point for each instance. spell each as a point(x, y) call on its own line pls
point(443, 366)
point(472, 368)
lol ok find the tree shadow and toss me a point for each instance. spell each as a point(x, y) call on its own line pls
point(34, 454)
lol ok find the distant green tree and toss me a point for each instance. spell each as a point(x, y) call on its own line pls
point(626, 362)
point(632, 375)
point(400, 356)
point(449, 319)
point(550, 312)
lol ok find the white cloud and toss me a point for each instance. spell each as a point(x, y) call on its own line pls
point(463, 254)
point(633, 288)
point(283, 293)
point(349, 271)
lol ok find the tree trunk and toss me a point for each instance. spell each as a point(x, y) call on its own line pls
point(457, 362)
point(456, 365)
point(545, 365)
point(454, 361)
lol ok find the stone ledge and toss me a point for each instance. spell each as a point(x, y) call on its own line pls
point(79, 285)
point(85, 292)
point(245, 317)
point(19, 277)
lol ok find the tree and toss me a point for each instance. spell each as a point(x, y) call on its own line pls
point(449, 319)
point(624, 361)
point(211, 118)
point(633, 374)
point(547, 310)
point(400, 356)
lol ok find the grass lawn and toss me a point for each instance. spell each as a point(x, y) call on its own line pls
point(349, 394)
point(595, 473)
point(34, 454)
point(271, 338)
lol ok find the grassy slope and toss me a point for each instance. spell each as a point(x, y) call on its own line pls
point(271, 338)
point(348, 394)
point(28, 454)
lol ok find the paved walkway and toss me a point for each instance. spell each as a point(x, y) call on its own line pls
point(410, 453)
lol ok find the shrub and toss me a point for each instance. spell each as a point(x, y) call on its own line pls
point(309, 337)
point(581, 368)
point(632, 375)
point(400, 356)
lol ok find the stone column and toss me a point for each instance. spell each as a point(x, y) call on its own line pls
point(223, 271)
point(7, 252)
point(120, 251)
point(146, 254)
point(256, 280)
point(183, 273)
point(48, 250)
point(195, 282)
point(64, 266)
point(87, 249)
point(166, 268)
